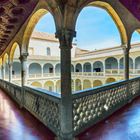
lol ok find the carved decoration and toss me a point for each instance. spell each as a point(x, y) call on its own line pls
point(13, 14)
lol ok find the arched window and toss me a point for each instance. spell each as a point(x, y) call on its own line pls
point(48, 51)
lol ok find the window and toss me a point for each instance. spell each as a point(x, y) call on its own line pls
point(48, 51)
point(31, 51)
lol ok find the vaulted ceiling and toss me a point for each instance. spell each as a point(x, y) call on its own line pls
point(133, 6)
point(13, 14)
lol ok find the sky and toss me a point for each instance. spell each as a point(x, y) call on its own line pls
point(95, 29)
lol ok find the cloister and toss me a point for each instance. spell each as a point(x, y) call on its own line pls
point(66, 113)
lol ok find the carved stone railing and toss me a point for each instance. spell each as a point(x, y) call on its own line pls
point(44, 105)
point(93, 105)
point(89, 106)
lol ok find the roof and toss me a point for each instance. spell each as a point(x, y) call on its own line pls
point(44, 36)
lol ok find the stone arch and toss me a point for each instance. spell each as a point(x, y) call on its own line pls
point(97, 83)
point(15, 47)
point(137, 62)
point(111, 63)
point(36, 84)
point(5, 58)
point(48, 68)
point(16, 68)
point(98, 66)
point(135, 37)
point(78, 67)
point(86, 84)
point(57, 68)
point(6, 65)
point(87, 67)
point(58, 86)
point(34, 68)
point(110, 80)
point(30, 27)
point(111, 11)
point(49, 85)
point(122, 63)
point(78, 85)
point(72, 68)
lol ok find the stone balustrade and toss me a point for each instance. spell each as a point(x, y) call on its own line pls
point(112, 72)
point(89, 106)
point(93, 105)
point(44, 105)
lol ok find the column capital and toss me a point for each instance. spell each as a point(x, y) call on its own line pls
point(23, 57)
point(10, 64)
point(125, 48)
point(65, 37)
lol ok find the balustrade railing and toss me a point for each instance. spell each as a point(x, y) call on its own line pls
point(89, 106)
point(44, 105)
point(93, 105)
point(113, 72)
point(35, 75)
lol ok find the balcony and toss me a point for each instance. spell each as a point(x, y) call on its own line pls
point(89, 106)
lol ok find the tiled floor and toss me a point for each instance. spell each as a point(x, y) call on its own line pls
point(17, 124)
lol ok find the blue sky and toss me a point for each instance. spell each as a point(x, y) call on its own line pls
point(95, 29)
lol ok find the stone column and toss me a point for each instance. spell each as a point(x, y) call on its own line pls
point(82, 69)
point(91, 68)
point(104, 68)
point(126, 61)
point(10, 71)
point(65, 37)
point(23, 60)
point(42, 72)
point(2, 72)
point(134, 67)
point(118, 66)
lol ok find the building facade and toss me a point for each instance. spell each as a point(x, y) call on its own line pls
point(89, 68)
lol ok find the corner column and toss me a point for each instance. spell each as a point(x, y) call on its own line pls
point(65, 37)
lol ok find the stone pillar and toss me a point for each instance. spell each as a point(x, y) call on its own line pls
point(2, 72)
point(42, 72)
point(126, 61)
point(82, 69)
point(118, 66)
point(10, 71)
point(23, 60)
point(65, 37)
point(91, 68)
point(134, 67)
point(104, 68)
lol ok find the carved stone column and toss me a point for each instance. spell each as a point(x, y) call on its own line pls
point(126, 61)
point(65, 37)
point(23, 60)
